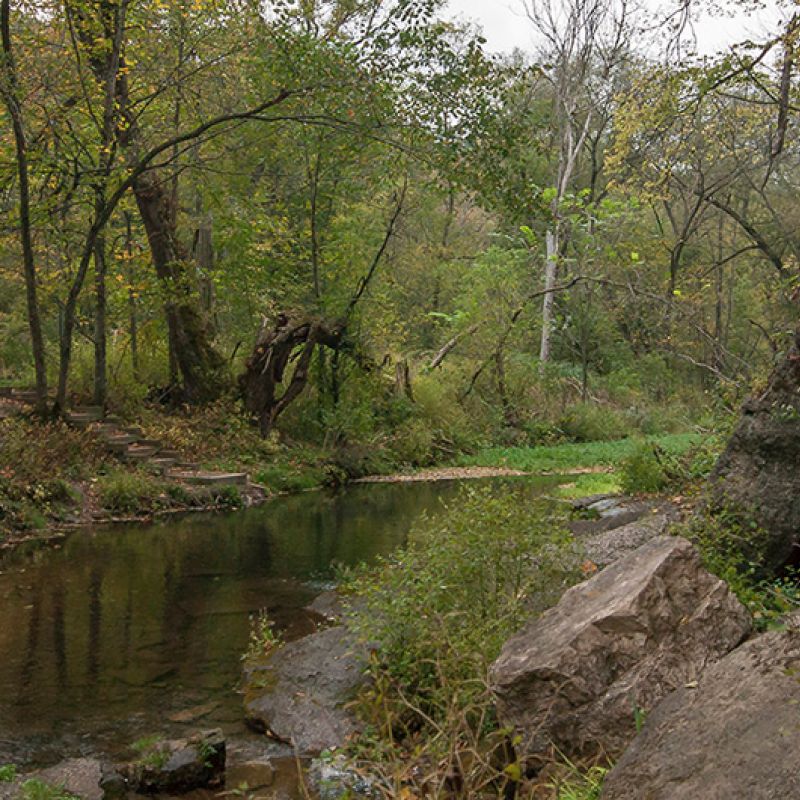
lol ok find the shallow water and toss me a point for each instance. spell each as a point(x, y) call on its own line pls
point(110, 634)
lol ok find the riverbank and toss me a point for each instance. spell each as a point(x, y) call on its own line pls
point(55, 477)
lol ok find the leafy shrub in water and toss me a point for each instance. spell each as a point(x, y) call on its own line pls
point(442, 607)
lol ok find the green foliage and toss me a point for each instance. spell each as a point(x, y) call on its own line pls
point(728, 540)
point(588, 422)
point(7, 773)
point(152, 751)
point(35, 789)
point(442, 607)
point(129, 492)
point(644, 471)
point(567, 457)
point(580, 784)
point(263, 637)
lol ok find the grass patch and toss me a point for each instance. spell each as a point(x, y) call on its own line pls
point(567, 457)
point(127, 492)
point(593, 483)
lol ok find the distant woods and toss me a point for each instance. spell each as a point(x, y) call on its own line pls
point(325, 206)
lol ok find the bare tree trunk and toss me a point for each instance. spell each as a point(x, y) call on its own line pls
point(100, 361)
point(132, 316)
point(8, 86)
point(550, 275)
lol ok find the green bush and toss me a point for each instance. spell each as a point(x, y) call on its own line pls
point(586, 422)
point(442, 607)
point(643, 471)
point(126, 492)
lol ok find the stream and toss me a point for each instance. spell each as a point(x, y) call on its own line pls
point(124, 631)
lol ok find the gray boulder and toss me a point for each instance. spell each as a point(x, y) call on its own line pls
point(174, 767)
point(298, 693)
point(575, 677)
point(736, 734)
point(606, 547)
point(80, 777)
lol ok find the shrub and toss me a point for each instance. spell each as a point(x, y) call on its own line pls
point(643, 471)
point(442, 607)
point(586, 422)
point(129, 492)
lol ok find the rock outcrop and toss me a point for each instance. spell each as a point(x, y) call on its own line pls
point(297, 694)
point(575, 677)
point(736, 734)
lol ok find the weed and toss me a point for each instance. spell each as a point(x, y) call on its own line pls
point(129, 492)
point(263, 638)
point(7, 773)
point(35, 789)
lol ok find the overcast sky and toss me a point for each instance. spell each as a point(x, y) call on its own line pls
point(505, 27)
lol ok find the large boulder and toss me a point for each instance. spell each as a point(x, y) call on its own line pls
point(756, 480)
point(576, 677)
point(298, 693)
point(736, 734)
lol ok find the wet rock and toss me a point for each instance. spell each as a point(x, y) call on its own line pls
point(332, 779)
point(327, 605)
point(736, 734)
point(77, 776)
point(194, 713)
point(178, 766)
point(619, 642)
point(297, 694)
point(255, 775)
point(605, 548)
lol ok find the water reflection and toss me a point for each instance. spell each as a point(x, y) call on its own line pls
point(105, 638)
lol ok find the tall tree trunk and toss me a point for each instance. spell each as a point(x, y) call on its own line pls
point(201, 366)
point(550, 275)
point(132, 316)
point(100, 361)
point(8, 86)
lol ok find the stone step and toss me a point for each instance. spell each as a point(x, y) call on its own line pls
point(133, 430)
point(160, 464)
point(83, 417)
point(138, 453)
point(119, 444)
point(151, 443)
point(24, 395)
point(210, 478)
point(88, 410)
point(167, 452)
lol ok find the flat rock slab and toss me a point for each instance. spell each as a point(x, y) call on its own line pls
point(574, 678)
point(735, 735)
point(606, 547)
point(77, 776)
point(298, 693)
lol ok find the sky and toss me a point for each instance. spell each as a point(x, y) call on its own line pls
point(505, 26)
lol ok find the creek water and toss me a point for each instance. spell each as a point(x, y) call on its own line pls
point(125, 631)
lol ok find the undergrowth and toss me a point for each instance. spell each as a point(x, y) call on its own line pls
point(441, 609)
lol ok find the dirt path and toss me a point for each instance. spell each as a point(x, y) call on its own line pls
point(445, 474)
point(465, 473)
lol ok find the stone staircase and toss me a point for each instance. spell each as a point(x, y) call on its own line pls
point(130, 444)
